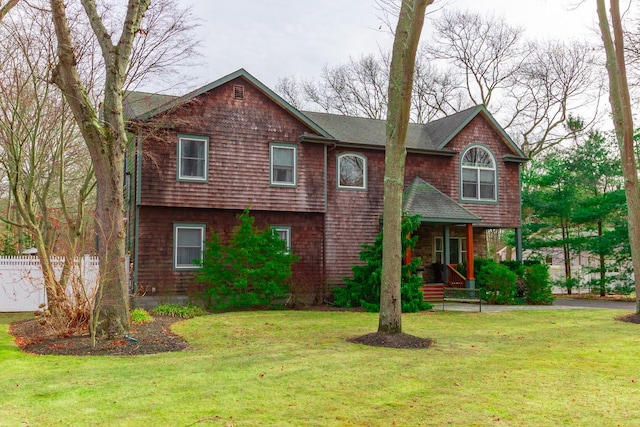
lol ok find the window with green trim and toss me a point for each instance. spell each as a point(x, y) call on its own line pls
point(283, 164)
point(478, 172)
point(188, 241)
point(352, 171)
point(193, 158)
point(283, 233)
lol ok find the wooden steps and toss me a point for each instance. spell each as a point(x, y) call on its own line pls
point(432, 292)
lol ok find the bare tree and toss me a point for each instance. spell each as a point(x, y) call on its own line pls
point(556, 78)
point(435, 91)
point(405, 46)
point(105, 136)
point(486, 52)
point(357, 88)
point(37, 139)
point(531, 87)
point(619, 97)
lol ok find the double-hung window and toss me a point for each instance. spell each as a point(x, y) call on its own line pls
point(478, 175)
point(188, 245)
point(352, 171)
point(193, 152)
point(283, 164)
point(284, 234)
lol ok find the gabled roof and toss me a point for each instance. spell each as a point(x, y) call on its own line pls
point(136, 104)
point(145, 106)
point(423, 199)
point(432, 136)
point(360, 130)
point(446, 128)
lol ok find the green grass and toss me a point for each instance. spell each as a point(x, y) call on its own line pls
point(525, 368)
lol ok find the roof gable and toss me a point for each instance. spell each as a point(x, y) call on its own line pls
point(144, 106)
point(442, 131)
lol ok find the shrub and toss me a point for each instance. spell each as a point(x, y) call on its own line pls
point(363, 290)
point(252, 270)
point(176, 310)
point(140, 316)
point(499, 282)
point(537, 284)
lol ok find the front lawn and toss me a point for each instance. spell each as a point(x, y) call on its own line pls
point(527, 368)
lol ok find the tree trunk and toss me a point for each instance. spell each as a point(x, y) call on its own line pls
point(566, 251)
point(603, 273)
point(623, 123)
point(111, 309)
point(106, 140)
point(405, 44)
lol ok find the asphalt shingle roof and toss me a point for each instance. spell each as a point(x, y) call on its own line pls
point(423, 199)
point(432, 137)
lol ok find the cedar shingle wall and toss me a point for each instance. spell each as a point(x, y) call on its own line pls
point(239, 133)
point(353, 216)
point(155, 268)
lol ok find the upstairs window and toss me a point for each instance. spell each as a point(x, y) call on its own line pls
point(192, 158)
point(352, 171)
point(283, 164)
point(478, 174)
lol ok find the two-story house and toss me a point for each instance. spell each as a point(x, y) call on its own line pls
point(198, 160)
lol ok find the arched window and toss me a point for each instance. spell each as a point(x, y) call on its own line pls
point(352, 171)
point(478, 174)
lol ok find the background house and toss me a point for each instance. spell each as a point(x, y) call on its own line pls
point(198, 160)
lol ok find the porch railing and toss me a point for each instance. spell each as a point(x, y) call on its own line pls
point(456, 279)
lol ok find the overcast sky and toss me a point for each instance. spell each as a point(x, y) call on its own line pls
point(278, 38)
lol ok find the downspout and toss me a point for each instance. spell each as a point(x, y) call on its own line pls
point(324, 228)
point(136, 223)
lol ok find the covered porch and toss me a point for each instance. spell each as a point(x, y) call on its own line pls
point(449, 235)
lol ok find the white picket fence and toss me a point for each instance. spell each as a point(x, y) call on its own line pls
point(22, 282)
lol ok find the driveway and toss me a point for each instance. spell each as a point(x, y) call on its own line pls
point(558, 304)
point(594, 303)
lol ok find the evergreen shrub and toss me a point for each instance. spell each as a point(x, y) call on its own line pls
point(499, 283)
point(252, 270)
point(537, 284)
point(363, 289)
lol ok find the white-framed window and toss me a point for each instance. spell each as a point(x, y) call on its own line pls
point(457, 250)
point(478, 174)
point(193, 158)
point(352, 171)
point(188, 245)
point(283, 232)
point(283, 164)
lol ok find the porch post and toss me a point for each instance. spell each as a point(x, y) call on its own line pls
point(518, 244)
point(407, 256)
point(446, 252)
point(471, 279)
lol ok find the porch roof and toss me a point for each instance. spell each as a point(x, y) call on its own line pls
point(423, 199)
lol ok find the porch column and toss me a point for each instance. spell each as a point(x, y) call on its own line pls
point(518, 232)
point(446, 254)
point(407, 256)
point(471, 279)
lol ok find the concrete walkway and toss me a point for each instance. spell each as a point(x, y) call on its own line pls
point(558, 304)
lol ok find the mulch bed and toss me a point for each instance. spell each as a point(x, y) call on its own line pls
point(152, 337)
point(406, 341)
point(630, 318)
